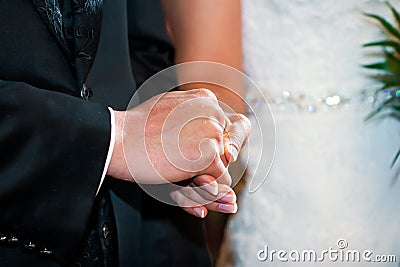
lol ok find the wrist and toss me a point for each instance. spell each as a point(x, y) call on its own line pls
point(117, 163)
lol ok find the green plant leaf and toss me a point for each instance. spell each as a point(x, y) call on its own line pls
point(396, 108)
point(372, 114)
point(392, 63)
point(376, 66)
point(385, 43)
point(395, 158)
point(390, 78)
point(379, 109)
point(395, 115)
point(396, 14)
point(389, 27)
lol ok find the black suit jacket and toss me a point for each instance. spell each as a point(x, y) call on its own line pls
point(53, 145)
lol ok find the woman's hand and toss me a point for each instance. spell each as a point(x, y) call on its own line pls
point(204, 194)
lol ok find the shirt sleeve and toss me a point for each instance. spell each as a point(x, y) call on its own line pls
point(110, 149)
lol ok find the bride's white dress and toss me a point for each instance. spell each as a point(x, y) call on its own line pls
point(331, 178)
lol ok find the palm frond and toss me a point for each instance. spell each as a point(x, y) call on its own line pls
point(385, 43)
point(395, 158)
point(378, 110)
point(389, 27)
point(395, 13)
point(388, 69)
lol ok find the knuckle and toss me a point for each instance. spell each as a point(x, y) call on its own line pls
point(219, 115)
point(245, 121)
point(215, 127)
point(242, 124)
point(227, 180)
point(219, 136)
point(242, 117)
point(203, 92)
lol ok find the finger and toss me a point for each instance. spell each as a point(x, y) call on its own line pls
point(228, 122)
point(225, 194)
point(207, 183)
point(222, 207)
point(236, 134)
point(202, 197)
point(228, 197)
point(203, 92)
point(189, 205)
point(195, 208)
point(219, 171)
point(191, 193)
point(223, 156)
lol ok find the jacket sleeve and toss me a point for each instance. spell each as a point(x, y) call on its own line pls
point(53, 148)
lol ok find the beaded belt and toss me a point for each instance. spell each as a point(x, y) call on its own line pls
point(311, 103)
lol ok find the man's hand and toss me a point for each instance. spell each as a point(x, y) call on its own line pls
point(177, 136)
point(204, 193)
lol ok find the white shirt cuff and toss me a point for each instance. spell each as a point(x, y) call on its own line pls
point(110, 149)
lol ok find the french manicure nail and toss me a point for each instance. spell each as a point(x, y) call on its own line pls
point(199, 212)
point(226, 208)
point(228, 198)
point(211, 188)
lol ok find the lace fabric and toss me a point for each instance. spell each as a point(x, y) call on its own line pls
point(331, 177)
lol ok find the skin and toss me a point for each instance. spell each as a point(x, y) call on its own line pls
point(144, 125)
point(209, 30)
point(199, 30)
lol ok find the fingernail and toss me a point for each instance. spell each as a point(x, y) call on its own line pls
point(199, 212)
point(228, 198)
point(227, 208)
point(234, 153)
point(211, 188)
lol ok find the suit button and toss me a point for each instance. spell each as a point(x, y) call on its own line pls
point(106, 231)
point(30, 246)
point(45, 252)
point(86, 92)
point(3, 238)
point(13, 241)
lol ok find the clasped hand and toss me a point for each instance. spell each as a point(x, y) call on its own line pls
point(181, 136)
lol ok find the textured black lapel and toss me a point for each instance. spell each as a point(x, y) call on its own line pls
point(87, 15)
point(50, 12)
point(85, 29)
